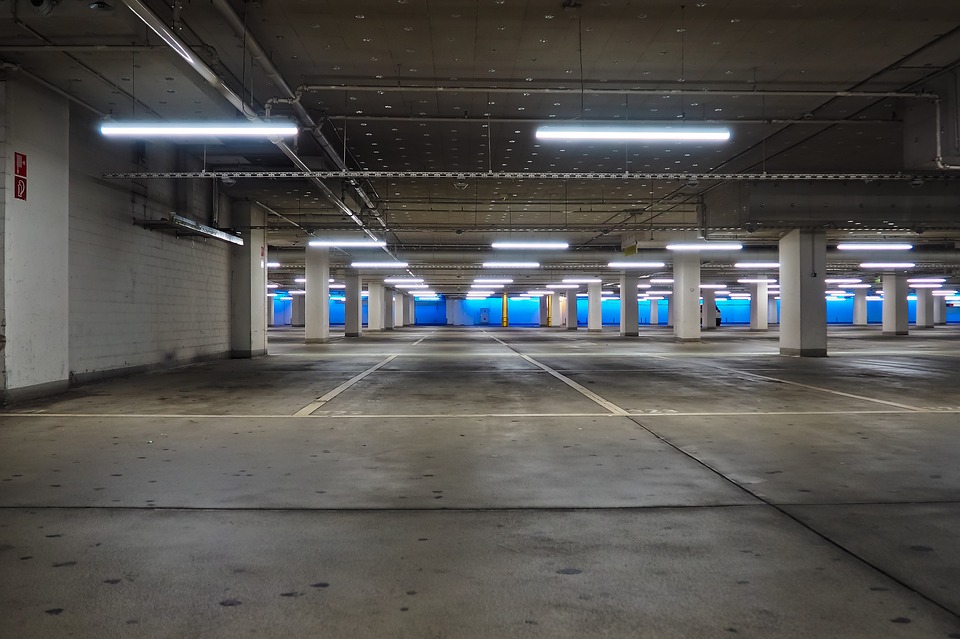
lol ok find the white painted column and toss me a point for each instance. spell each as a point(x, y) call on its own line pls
point(298, 311)
point(397, 319)
point(895, 318)
point(594, 307)
point(654, 312)
point(939, 310)
point(571, 309)
point(686, 296)
point(924, 308)
point(708, 309)
point(670, 308)
point(773, 316)
point(270, 310)
point(544, 315)
point(353, 311)
point(318, 295)
point(407, 309)
point(803, 306)
point(629, 310)
point(248, 281)
point(556, 312)
point(451, 312)
point(412, 302)
point(860, 307)
point(758, 307)
point(382, 312)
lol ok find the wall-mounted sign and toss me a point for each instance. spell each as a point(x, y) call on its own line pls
point(20, 176)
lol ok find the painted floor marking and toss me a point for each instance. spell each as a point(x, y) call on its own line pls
point(323, 399)
point(586, 392)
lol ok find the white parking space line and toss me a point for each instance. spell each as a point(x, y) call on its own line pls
point(323, 399)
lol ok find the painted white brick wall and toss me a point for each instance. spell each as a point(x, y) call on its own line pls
point(138, 298)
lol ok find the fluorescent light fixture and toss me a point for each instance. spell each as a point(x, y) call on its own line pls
point(511, 265)
point(271, 294)
point(200, 130)
point(724, 292)
point(874, 246)
point(379, 265)
point(487, 286)
point(509, 244)
point(661, 280)
point(583, 295)
point(835, 292)
point(655, 298)
point(335, 287)
point(659, 292)
point(273, 264)
point(273, 286)
point(708, 285)
point(607, 293)
point(403, 280)
point(912, 298)
point(842, 280)
point(348, 243)
point(887, 265)
point(756, 280)
point(926, 285)
point(874, 298)
point(570, 286)
point(298, 292)
point(757, 265)
point(926, 280)
point(705, 246)
point(857, 285)
point(642, 285)
point(740, 296)
point(427, 298)
point(944, 293)
point(411, 286)
point(540, 292)
point(300, 280)
point(650, 133)
point(582, 280)
point(492, 280)
point(626, 265)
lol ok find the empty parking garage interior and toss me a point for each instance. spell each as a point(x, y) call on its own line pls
point(479, 318)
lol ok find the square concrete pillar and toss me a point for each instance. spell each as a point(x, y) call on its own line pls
point(939, 310)
point(773, 316)
point(248, 281)
point(708, 309)
point(451, 312)
point(629, 309)
point(556, 310)
point(571, 309)
point(654, 311)
point(924, 308)
point(895, 318)
point(375, 306)
point(353, 300)
point(318, 295)
point(297, 310)
point(686, 296)
point(860, 307)
point(544, 308)
point(594, 307)
point(758, 306)
point(803, 305)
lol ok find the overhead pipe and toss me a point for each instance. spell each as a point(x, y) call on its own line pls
point(161, 29)
point(271, 71)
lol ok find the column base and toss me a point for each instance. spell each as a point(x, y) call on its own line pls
point(351, 334)
point(247, 354)
point(37, 391)
point(594, 330)
point(686, 339)
point(316, 340)
point(918, 326)
point(804, 352)
point(572, 328)
point(389, 328)
point(894, 333)
point(630, 334)
point(759, 330)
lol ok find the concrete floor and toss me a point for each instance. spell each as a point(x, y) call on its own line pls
point(495, 483)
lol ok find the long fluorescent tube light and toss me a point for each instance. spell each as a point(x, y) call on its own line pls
point(759, 265)
point(492, 280)
point(403, 280)
point(713, 286)
point(487, 286)
point(411, 286)
point(570, 286)
point(273, 264)
point(887, 265)
point(756, 280)
point(348, 243)
point(659, 292)
point(661, 280)
point(632, 133)
point(842, 280)
point(336, 287)
point(211, 130)
point(926, 280)
point(705, 246)
point(300, 280)
point(857, 285)
point(540, 293)
point(511, 265)
point(926, 286)
point(378, 265)
point(835, 293)
point(273, 286)
point(582, 280)
point(944, 293)
point(874, 246)
point(530, 245)
point(626, 265)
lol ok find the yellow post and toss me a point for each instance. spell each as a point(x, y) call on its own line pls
point(504, 310)
point(549, 310)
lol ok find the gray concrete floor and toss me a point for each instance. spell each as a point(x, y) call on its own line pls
point(495, 483)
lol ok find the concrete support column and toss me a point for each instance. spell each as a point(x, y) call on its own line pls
point(758, 307)
point(670, 308)
point(412, 301)
point(248, 281)
point(407, 309)
point(396, 319)
point(571, 309)
point(544, 308)
point(860, 307)
point(270, 310)
point(708, 309)
point(298, 311)
point(654, 312)
point(388, 314)
point(686, 296)
point(629, 311)
point(594, 307)
point(773, 316)
point(895, 318)
point(451, 312)
point(803, 307)
point(924, 308)
point(939, 310)
point(318, 295)
point(353, 301)
point(556, 313)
